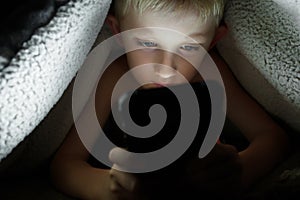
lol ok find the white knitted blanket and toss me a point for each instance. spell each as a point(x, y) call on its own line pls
point(263, 51)
point(41, 71)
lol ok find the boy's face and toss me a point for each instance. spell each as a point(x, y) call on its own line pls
point(166, 48)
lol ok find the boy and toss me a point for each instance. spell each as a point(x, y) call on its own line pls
point(199, 19)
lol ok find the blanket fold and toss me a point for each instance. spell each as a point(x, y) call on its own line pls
point(42, 69)
point(263, 51)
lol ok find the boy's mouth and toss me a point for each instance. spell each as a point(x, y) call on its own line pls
point(159, 85)
point(154, 85)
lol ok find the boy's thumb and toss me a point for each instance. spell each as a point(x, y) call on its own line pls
point(125, 161)
point(118, 156)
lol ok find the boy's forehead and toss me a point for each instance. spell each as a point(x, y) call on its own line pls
point(188, 23)
point(160, 32)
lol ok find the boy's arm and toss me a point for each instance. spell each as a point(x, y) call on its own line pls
point(71, 173)
point(70, 170)
point(268, 141)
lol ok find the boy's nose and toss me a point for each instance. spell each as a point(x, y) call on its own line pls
point(167, 58)
point(164, 72)
point(167, 69)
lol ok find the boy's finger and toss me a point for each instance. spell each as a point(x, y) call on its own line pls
point(119, 157)
point(125, 161)
point(225, 150)
point(220, 152)
point(123, 179)
point(224, 170)
point(115, 186)
point(217, 160)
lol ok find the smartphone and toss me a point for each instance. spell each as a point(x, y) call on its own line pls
point(161, 183)
point(141, 100)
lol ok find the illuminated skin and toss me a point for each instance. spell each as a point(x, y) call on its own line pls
point(70, 170)
point(189, 43)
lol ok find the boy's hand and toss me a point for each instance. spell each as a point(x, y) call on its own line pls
point(219, 172)
point(123, 184)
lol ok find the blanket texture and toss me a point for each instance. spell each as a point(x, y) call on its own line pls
point(40, 72)
point(263, 50)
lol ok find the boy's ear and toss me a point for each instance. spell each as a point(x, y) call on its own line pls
point(220, 33)
point(113, 24)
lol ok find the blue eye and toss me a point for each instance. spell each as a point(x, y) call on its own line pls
point(189, 48)
point(149, 44)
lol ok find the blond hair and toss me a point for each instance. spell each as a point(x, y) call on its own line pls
point(202, 8)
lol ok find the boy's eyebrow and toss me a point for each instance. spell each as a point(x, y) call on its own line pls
point(196, 34)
